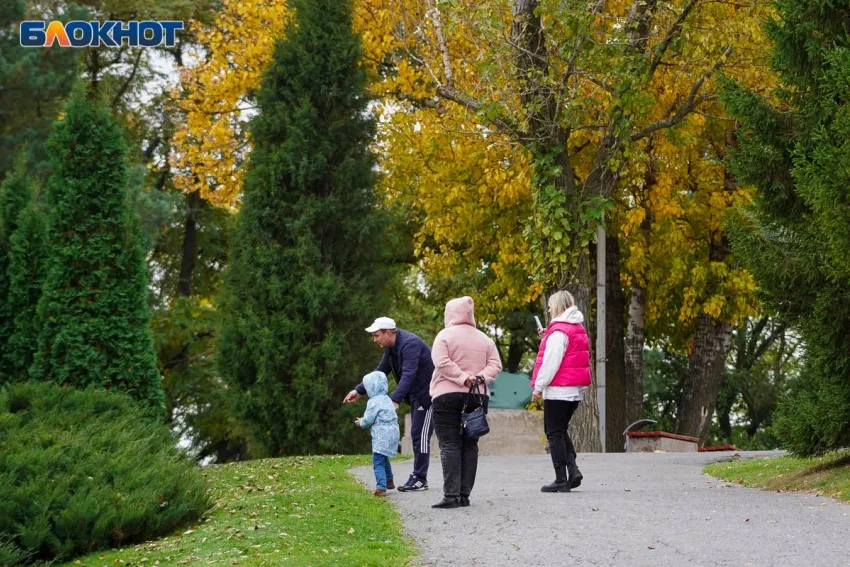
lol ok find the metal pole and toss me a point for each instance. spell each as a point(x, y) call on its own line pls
point(600, 328)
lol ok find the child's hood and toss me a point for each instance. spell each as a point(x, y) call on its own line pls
point(376, 384)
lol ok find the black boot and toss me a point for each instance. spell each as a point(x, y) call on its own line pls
point(561, 483)
point(572, 468)
point(447, 502)
point(464, 501)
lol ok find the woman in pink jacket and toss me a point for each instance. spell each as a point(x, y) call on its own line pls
point(561, 376)
point(462, 354)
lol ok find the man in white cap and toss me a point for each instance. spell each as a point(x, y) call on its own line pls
point(408, 357)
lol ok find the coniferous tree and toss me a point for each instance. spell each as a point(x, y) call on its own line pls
point(94, 316)
point(34, 82)
point(26, 275)
point(795, 149)
point(307, 266)
point(15, 192)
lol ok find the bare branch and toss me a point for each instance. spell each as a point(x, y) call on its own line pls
point(419, 102)
point(599, 83)
point(778, 330)
point(571, 63)
point(441, 43)
point(470, 103)
point(674, 31)
point(694, 100)
point(639, 24)
point(126, 85)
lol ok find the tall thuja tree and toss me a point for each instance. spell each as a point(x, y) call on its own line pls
point(307, 266)
point(15, 192)
point(93, 309)
point(795, 149)
point(26, 275)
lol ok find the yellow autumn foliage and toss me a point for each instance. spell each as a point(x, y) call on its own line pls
point(466, 186)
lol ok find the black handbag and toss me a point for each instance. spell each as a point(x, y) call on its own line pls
point(474, 424)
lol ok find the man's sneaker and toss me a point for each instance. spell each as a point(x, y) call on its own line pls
point(413, 484)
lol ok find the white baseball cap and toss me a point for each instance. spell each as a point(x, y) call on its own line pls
point(381, 323)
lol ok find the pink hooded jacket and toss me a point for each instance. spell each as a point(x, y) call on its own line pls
point(461, 351)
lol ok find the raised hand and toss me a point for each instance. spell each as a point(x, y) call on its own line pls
point(351, 397)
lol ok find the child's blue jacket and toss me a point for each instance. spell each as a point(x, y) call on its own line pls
point(380, 415)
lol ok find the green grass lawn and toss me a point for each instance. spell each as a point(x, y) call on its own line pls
point(295, 511)
point(828, 475)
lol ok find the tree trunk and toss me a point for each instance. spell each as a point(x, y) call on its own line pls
point(705, 374)
point(634, 354)
point(584, 428)
point(184, 283)
point(190, 245)
point(725, 421)
point(616, 388)
point(636, 336)
point(531, 60)
point(725, 401)
point(516, 349)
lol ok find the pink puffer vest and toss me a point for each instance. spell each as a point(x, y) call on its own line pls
point(575, 366)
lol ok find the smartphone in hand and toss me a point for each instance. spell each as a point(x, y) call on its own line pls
point(539, 324)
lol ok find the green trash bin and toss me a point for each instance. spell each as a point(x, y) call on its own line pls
point(510, 391)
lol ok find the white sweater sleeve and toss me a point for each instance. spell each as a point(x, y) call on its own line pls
point(556, 346)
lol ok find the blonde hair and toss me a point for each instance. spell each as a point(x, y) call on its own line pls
point(560, 301)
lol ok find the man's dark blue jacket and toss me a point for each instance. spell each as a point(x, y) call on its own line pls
point(410, 362)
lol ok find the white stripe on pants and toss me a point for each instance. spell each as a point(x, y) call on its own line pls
point(425, 436)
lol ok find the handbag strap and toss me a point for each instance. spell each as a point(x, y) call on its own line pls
point(475, 390)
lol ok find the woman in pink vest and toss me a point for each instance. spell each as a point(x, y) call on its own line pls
point(561, 376)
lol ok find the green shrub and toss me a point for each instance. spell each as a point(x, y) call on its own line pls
point(10, 554)
point(815, 416)
point(87, 469)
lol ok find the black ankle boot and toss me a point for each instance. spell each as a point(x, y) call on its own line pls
point(464, 501)
point(561, 483)
point(572, 468)
point(447, 502)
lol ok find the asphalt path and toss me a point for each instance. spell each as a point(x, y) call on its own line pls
point(632, 510)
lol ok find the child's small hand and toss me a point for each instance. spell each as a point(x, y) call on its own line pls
point(357, 421)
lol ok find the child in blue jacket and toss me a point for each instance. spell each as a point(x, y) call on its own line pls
point(381, 417)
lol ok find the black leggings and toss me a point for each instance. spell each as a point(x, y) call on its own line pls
point(458, 453)
point(556, 420)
